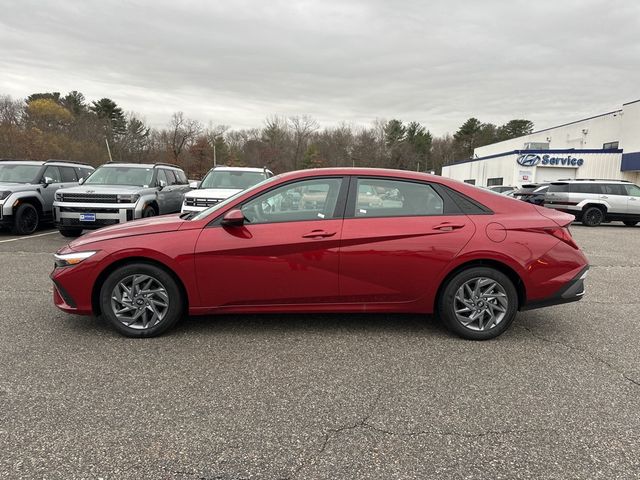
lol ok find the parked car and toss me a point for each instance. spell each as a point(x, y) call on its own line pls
point(596, 201)
point(504, 189)
point(444, 247)
point(220, 183)
point(27, 190)
point(117, 193)
point(532, 193)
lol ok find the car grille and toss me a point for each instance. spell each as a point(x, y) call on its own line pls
point(202, 202)
point(89, 197)
point(84, 210)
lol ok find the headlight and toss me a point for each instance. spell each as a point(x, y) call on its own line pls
point(69, 259)
point(128, 198)
point(4, 195)
point(58, 196)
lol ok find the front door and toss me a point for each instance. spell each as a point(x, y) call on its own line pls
point(397, 238)
point(633, 201)
point(286, 253)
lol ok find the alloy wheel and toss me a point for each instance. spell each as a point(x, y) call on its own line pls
point(140, 301)
point(29, 220)
point(480, 304)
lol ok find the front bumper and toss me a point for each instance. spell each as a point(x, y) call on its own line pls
point(68, 215)
point(572, 291)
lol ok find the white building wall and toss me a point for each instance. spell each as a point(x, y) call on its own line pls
point(591, 133)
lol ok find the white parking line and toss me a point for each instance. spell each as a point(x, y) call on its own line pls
point(27, 237)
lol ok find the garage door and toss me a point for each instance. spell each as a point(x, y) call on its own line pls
point(551, 174)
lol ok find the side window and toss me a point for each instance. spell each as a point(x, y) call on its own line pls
point(633, 190)
point(614, 189)
point(181, 177)
point(84, 173)
point(395, 198)
point(53, 173)
point(69, 174)
point(171, 178)
point(161, 177)
point(304, 200)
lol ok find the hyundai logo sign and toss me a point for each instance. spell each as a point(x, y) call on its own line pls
point(532, 159)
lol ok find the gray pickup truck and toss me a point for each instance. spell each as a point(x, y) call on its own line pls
point(27, 189)
point(117, 193)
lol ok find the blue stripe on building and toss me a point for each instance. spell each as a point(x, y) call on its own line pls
point(568, 151)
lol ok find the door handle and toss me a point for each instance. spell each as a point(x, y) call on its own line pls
point(447, 227)
point(603, 196)
point(634, 199)
point(318, 234)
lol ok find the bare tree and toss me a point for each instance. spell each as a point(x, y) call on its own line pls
point(182, 131)
point(302, 127)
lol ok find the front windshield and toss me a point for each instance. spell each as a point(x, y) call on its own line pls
point(218, 206)
point(231, 179)
point(135, 176)
point(16, 173)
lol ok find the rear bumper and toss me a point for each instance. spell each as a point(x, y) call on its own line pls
point(572, 291)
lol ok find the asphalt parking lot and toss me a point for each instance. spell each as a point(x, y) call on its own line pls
point(322, 396)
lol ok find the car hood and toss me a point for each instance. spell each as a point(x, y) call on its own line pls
point(165, 223)
point(14, 187)
point(109, 189)
point(212, 193)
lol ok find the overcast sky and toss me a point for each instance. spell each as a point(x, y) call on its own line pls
point(236, 62)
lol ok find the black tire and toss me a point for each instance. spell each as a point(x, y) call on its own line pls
point(172, 313)
point(70, 232)
point(630, 223)
point(149, 211)
point(26, 219)
point(592, 216)
point(447, 303)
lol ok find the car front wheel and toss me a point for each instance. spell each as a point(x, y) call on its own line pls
point(478, 303)
point(70, 232)
point(26, 219)
point(141, 300)
point(630, 223)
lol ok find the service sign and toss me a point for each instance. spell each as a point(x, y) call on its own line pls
point(534, 159)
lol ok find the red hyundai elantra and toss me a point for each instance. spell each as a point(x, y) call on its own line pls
point(330, 240)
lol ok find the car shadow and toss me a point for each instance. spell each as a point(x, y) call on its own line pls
point(290, 323)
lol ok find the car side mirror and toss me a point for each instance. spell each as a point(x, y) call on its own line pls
point(233, 218)
point(81, 181)
point(162, 184)
point(46, 181)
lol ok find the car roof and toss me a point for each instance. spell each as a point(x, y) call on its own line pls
point(590, 181)
point(22, 162)
point(240, 169)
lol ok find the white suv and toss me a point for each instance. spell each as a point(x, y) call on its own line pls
point(596, 201)
point(220, 183)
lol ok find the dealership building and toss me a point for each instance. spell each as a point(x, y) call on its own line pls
point(606, 146)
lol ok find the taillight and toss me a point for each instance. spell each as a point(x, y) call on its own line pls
point(562, 233)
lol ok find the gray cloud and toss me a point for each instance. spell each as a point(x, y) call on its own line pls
point(437, 62)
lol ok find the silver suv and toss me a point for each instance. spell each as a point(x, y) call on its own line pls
point(118, 192)
point(596, 201)
point(27, 190)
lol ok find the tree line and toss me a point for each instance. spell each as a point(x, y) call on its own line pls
point(49, 125)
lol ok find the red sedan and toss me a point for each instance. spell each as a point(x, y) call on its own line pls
point(429, 244)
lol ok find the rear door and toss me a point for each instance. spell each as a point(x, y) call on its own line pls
point(48, 191)
point(397, 237)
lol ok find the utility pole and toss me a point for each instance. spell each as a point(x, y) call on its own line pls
point(108, 149)
point(215, 161)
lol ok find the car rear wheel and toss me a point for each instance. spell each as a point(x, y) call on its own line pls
point(478, 303)
point(630, 223)
point(141, 300)
point(70, 232)
point(26, 219)
point(592, 217)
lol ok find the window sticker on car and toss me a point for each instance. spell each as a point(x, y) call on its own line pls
point(321, 215)
point(363, 211)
